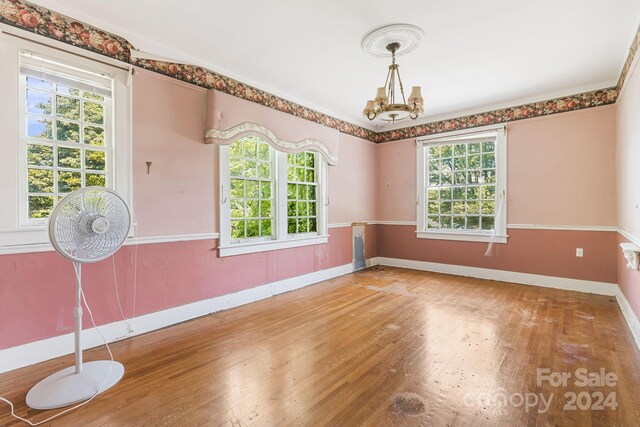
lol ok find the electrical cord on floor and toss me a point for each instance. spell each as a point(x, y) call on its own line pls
point(115, 284)
point(66, 411)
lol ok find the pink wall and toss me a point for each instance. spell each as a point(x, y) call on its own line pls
point(352, 195)
point(561, 171)
point(627, 158)
point(543, 252)
point(37, 290)
point(177, 196)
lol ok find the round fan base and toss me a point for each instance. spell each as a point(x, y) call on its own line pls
point(65, 387)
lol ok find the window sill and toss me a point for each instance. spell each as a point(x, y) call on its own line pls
point(465, 236)
point(271, 245)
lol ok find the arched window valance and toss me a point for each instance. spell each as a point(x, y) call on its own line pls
point(228, 136)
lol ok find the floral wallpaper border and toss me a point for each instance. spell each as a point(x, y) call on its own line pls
point(42, 21)
point(633, 49)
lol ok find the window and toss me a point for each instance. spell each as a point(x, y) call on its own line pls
point(65, 113)
point(251, 175)
point(65, 138)
point(273, 199)
point(301, 193)
point(462, 182)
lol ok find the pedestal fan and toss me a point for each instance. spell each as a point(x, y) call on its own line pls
point(88, 225)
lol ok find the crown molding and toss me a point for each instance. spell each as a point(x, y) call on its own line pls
point(44, 22)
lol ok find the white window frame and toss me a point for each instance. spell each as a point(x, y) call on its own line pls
point(15, 231)
point(499, 234)
point(281, 240)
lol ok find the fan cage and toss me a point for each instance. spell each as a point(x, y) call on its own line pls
point(71, 228)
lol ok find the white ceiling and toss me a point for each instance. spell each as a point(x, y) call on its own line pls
point(476, 54)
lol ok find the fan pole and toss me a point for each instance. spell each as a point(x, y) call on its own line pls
point(77, 314)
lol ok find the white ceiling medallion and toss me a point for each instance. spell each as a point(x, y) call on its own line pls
point(408, 36)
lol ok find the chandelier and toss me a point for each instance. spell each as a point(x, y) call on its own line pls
point(390, 104)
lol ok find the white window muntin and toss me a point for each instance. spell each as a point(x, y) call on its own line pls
point(59, 74)
point(281, 238)
point(499, 234)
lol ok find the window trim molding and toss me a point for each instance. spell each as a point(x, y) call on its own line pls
point(500, 234)
point(282, 239)
point(13, 231)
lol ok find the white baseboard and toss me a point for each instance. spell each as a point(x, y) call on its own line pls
point(587, 286)
point(630, 316)
point(39, 351)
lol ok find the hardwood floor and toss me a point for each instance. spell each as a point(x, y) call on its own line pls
point(379, 347)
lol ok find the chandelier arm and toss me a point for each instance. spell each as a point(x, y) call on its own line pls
point(389, 76)
point(404, 101)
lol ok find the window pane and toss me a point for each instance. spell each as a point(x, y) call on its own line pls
point(253, 229)
point(302, 208)
point(93, 179)
point(313, 226)
point(264, 170)
point(69, 181)
point(40, 181)
point(65, 90)
point(487, 223)
point(250, 168)
point(93, 96)
point(265, 208)
point(39, 102)
point(299, 175)
point(40, 206)
point(473, 222)
point(39, 155)
point(460, 149)
point(433, 221)
point(237, 188)
point(93, 135)
point(265, 228)
point(237, 230)
point(249, 148)
point(310, 177)
point(252, 210)
point(68, 131)
point(455, 195)
point(69, 158)
point(291, 226)
point(459, 222)
point(67, 108)
point(94, 160)
point(263, 152)
point(235, 149)
point(265, 190)
point(39, 127)
point(235, 166)
point(93, 113)
point(473, 207)
point(252, 189)
point(237, 208)
point(38, 83)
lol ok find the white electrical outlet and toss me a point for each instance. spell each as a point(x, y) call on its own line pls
point(579, 252)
